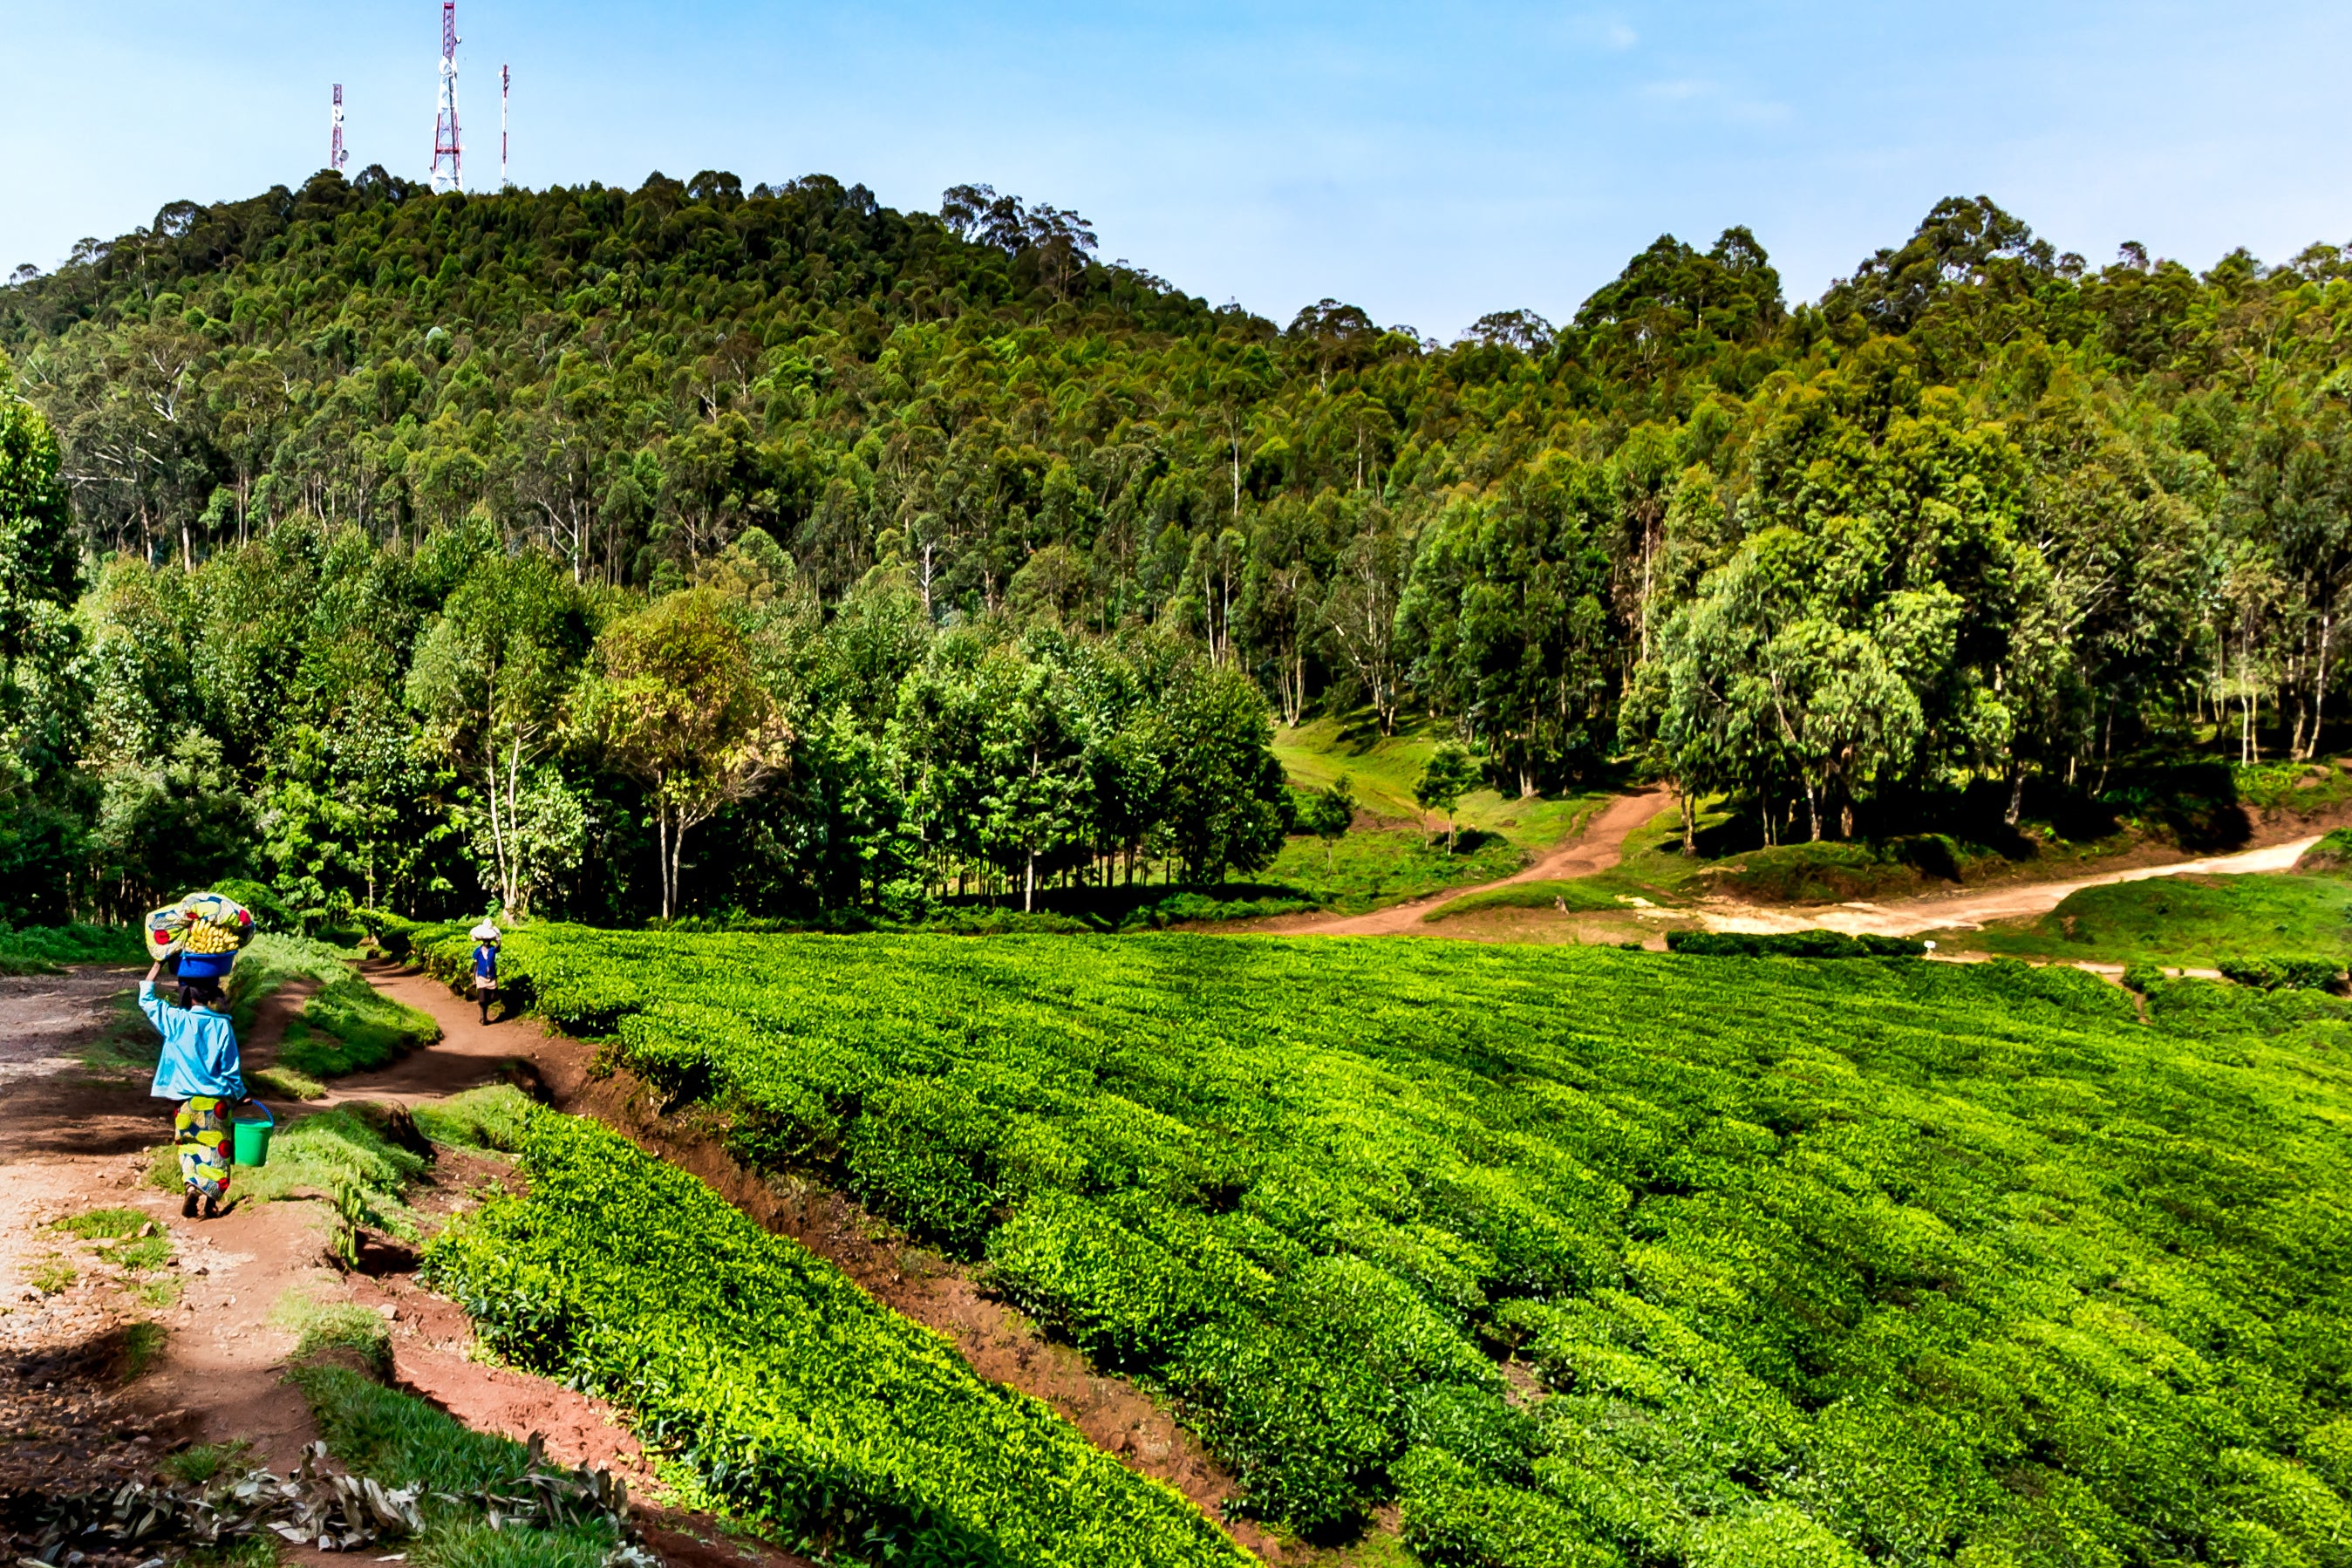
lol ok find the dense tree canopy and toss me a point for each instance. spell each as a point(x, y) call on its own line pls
point(970, 497)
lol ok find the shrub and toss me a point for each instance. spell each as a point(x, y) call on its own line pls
point(1791, 945)
point(2332, 853)
point(269, 912)
point(47, 949)
point(2281, 973)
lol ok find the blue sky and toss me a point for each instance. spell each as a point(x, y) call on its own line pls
point(1428, 163)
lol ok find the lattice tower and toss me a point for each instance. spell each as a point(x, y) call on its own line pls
point(448, 169)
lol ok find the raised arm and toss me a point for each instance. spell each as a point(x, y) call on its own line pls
point(148, 1003)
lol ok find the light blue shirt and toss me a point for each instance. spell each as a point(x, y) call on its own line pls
point(199, 1051)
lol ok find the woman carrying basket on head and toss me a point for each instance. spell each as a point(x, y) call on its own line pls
point(486, 966)
point(200, 1069)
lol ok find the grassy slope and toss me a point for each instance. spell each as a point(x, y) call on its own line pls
point(1601, 894)
point(2190, 920)
point(1377, 866)
point(1822, 1262)
point(1832, 871)
point(1383, 769)
point(347, 1025)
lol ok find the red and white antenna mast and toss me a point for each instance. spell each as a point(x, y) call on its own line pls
point(336, 156)
point(506, 81)
point(447, 172)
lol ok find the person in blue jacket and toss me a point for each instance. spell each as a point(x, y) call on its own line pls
point(486, 966)
point(200, 1069)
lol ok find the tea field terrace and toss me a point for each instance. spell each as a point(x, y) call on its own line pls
point(1589, 1256)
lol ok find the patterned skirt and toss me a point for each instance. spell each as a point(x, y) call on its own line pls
point(202, 1133)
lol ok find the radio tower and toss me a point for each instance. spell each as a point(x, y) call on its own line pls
point(506, 79)
point(336, 156)
point(445, 128)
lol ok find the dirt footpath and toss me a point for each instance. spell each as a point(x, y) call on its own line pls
point(105, 1369)
point(1966, 910)
point(1600, 847)
point(115, 1365)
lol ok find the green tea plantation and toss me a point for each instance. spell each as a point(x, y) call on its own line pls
point(1576, 1257)
point(792, 1396)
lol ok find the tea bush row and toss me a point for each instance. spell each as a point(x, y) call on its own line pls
point(780, 1388)
point(1920, 1262)
point(1791, 945)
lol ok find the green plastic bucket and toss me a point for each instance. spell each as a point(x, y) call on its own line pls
point(253, 1137)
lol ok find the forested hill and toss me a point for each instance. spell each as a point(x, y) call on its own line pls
point(1979, 516)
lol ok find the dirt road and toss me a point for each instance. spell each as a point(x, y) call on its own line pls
point(1601, 846)
point(1965, 911)
point(105, 1368)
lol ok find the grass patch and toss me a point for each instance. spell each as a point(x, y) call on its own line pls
point(402, 1441)
point(2332, 853)
point(1383, 769)
point(1833, 873)
point(156, 1294)
point(2196, 921)
point(49, 950)
point(51, 1275)
point(269, 962)
point(1582, 895)
point(323, 1328)
point(335, 1151)
point(490, 1118)
point(1837, 871)
point(350, 1026)
point(323, 1156)
point(251, 1551)
point(1375, 867)
point(468, 1544)
point(207, 1462)
point(2304, 788)
point(286, 1083)
point(103, 1224)
point(346, 1026)
point(141, 1344)
point(146, 1252)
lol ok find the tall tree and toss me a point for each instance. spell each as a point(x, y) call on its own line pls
point(491, 684)
point(674, 701)
point(1449, 775)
